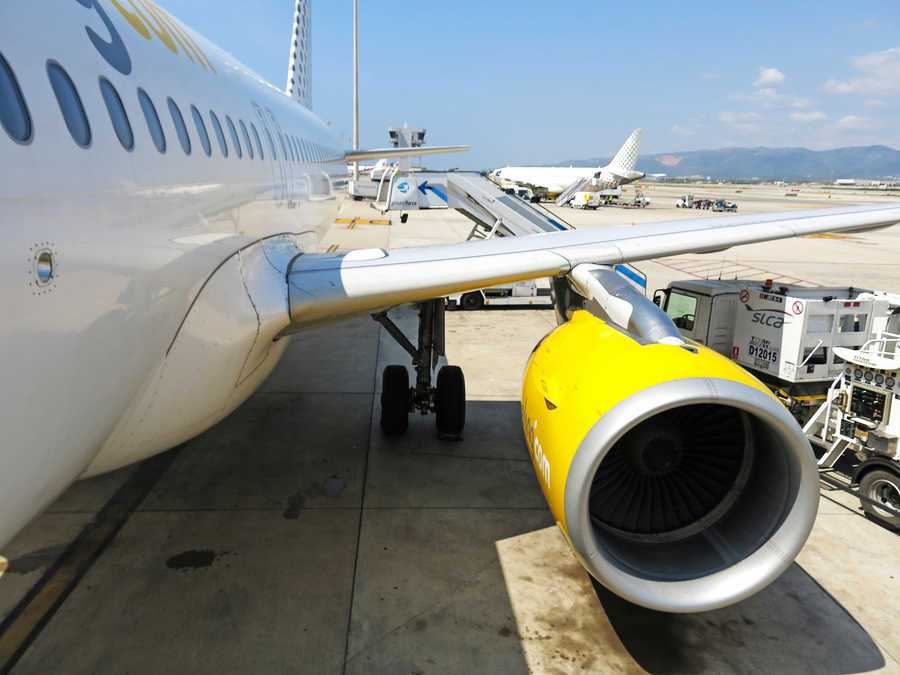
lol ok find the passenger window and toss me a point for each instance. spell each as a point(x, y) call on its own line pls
point(247, 143)
point(70, 104)
point(220, 135)
point(117, 114)
point(682, 310)
point(156, 130)
point(271, 144)
point(234, 137)
point(259, 147)
point(14, 115)
point(201, 130)
point(178, 120)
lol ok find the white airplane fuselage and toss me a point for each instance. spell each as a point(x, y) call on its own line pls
point(556, 179)
point(153, 255)
point(553, 179)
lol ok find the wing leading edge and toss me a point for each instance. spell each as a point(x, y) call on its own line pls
point(329, 287)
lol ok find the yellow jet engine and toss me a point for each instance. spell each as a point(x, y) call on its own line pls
point(680, 482)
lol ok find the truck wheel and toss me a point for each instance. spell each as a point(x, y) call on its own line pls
point(472, 301)
point(881, 487)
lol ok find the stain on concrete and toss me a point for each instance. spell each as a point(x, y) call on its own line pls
point(295, 505)
point(35, 560)
point(188, 561)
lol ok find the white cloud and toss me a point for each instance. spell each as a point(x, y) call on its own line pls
point(854, 122)
point(679, 130)
point(768, 77)
point(879, 74)
point(874, 103)
point(812, 116)
point(769, 97)
point(729, 117)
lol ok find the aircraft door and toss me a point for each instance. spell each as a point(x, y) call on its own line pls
point(277, 158)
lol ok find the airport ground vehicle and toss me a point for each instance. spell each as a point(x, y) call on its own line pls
point(831, 356)
point(586, 200)
point(520, 191)
point(639, 201)
point(724, 205)
point(784, 334)
point(691, 202)
point(861, 415)
point(594, 199)
point(532, 292)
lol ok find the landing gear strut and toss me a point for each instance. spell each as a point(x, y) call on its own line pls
point(447, 399)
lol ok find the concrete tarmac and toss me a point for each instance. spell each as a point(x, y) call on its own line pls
point(293, 537)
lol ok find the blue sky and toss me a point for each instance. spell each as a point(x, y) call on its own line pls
point(531, 82)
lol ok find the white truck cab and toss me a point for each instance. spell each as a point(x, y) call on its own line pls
point(703, 310)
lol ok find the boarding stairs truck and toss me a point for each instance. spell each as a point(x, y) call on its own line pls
point(860, 418)
point(784, 334)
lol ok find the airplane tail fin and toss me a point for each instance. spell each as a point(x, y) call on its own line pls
point(627, 156)
point(299, 80)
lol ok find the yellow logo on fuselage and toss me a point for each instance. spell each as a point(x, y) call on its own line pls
point(148, 19)
point(541, 463)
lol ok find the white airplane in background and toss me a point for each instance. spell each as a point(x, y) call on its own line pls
point(556, 180)
point(161, 207)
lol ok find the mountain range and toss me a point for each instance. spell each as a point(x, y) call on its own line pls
point(790, 164)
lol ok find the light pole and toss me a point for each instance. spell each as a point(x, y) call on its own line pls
point(356, 85)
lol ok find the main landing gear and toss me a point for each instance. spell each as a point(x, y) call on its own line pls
point(447, 399)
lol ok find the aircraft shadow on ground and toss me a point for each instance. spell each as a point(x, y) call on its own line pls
point(792, 626)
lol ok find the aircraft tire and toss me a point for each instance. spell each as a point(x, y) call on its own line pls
point(395, 400)
point(450, 403)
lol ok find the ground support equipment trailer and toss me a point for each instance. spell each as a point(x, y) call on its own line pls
point(860, 418)
point(784, 334)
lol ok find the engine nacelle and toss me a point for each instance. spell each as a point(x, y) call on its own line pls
point(680, 482)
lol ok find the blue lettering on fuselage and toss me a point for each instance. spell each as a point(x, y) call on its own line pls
point(114, 52)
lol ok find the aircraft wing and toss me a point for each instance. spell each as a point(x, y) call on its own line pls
point(324, 287)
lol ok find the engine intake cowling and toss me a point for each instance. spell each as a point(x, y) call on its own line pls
point(681, 483)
